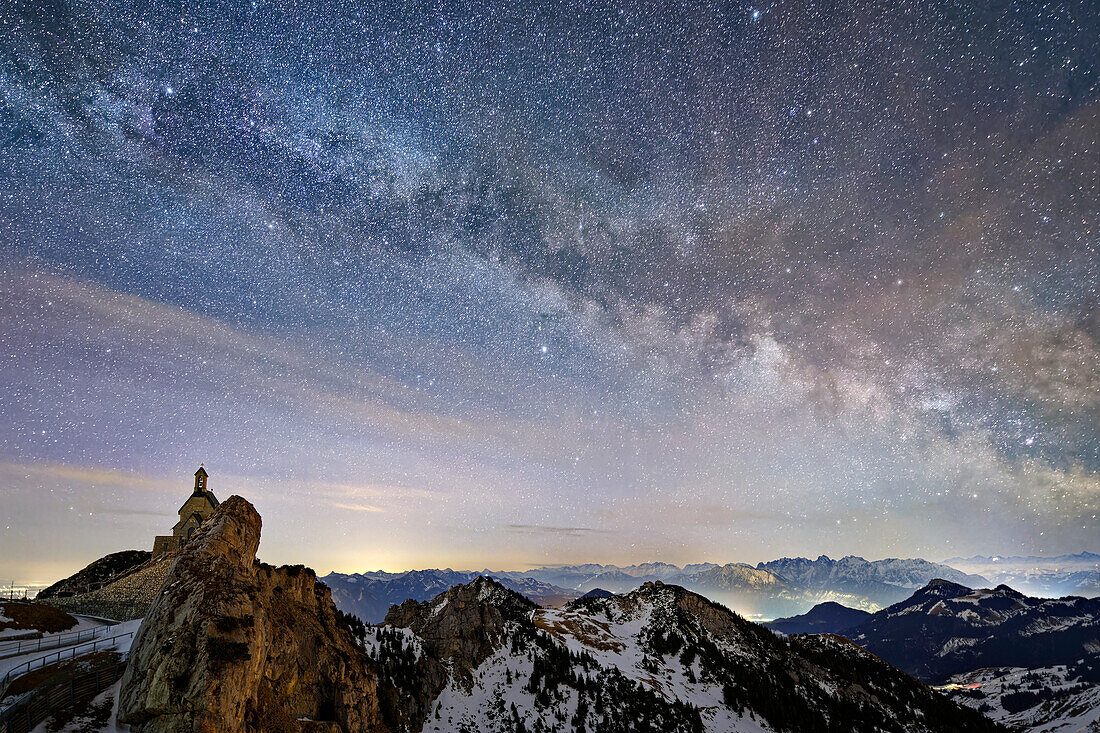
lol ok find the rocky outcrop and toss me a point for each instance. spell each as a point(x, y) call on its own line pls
point(464, 625)
point(231, 644)
point(455, 632)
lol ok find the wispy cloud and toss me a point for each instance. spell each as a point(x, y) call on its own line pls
point(555, 531)
point(357, 507)
point(85, 475)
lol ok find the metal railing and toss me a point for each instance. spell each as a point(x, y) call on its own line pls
point(68, 693)
point(70, 653)
point(52, 641)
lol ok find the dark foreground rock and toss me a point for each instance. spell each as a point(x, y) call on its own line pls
point(231, 644)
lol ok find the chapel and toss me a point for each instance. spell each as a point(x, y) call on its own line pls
point(199, 506)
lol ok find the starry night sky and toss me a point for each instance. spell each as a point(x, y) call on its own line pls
point(490, 284)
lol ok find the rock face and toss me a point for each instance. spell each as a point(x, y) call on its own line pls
point(455, 632)
point(464, 625)
point(231, 644)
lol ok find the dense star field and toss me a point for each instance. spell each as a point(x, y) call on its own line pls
point(491, 283)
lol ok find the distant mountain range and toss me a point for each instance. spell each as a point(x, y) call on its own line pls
point(778, 588)
point(947, 629)
point(1081, 558)
point(370, 595)
point(882, 581)
point(1042, 576)
point(877, 582)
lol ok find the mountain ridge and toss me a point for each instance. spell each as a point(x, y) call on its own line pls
point(946, 629)
point(660, 658)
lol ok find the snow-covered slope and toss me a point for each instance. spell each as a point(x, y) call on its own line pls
point(1043, 700)
point(661, 658)
point(946, 629)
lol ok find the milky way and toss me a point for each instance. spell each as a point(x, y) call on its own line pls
point(492, 284)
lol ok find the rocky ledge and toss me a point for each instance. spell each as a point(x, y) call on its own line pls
point(231, 644)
